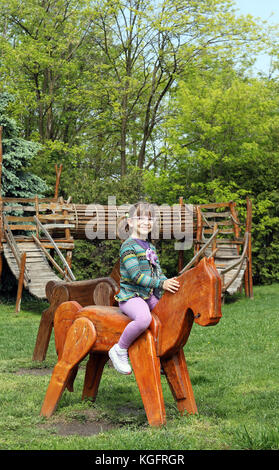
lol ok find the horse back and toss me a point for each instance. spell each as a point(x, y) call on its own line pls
point(109, 323)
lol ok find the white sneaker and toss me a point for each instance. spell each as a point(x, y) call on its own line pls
point(119, 358)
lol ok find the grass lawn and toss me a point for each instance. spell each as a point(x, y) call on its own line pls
point(233, 366)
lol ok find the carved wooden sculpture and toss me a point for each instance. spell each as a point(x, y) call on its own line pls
point(98, 291)
point(95, 329)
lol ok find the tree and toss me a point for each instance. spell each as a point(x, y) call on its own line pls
point(17, 156)
point(95, 76)
point(222, 146)
point(146, 45)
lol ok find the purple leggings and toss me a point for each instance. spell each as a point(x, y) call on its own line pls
point(138, 310)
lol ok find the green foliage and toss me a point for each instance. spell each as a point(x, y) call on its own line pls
point(222, 146)
point(97, 259)
point(141, 100)
point(84, 188)
point(17, 156)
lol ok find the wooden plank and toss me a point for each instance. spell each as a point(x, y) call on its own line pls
point(58, 226)
point(29, 240)
point(19, 208)
point(56, 249)
point(28, 199)
point(224, 231)
point(59, 269)
point(20, 282)
point(65, 246)
point(220, 223)
point(216, 214)
point(214, 205)
point(55, 217)
point(30, 228)
point(55, 206)
point(12, 218)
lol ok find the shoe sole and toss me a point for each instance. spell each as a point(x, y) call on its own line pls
point(116, 368)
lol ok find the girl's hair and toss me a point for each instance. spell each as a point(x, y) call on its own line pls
point(142, 208)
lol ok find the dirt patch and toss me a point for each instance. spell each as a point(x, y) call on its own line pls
point(83, 423)
point(38, 371)
point(82, 429)
point(130, 411)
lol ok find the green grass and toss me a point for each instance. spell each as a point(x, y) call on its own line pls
point(233, 366)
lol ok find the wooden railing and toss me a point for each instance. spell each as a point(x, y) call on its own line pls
point(239, 263)
point(47, 234)
point(200, 252)
point(14, 248)
point(224, 216)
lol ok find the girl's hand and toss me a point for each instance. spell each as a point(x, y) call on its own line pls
point(171, 285)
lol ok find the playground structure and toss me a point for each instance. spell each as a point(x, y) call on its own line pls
point(32, 230)
point(94, 330)
point(46, 226)
point(232, 249)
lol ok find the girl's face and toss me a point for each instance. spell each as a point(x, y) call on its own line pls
point(140, 225)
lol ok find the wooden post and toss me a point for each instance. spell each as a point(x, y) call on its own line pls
point(181, 252)
point(214, 243)
point(20, 282)
point(58, 175)
point(1, 158)
point(1, 235)
point(235, 220)
point(248, 229)
point(67, 236)
point(37, 215)
point(1, 205)
point(199, 230)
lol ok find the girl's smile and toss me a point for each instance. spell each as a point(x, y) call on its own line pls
point(141, 226)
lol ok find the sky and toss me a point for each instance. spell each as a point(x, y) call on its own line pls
point(261, 8)
point(266, 10)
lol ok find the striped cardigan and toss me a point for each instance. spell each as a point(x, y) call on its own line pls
point(137, 276)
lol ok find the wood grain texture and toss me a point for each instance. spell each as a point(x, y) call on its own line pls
point(197, 300)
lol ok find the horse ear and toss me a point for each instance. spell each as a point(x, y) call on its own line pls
point(203, 260)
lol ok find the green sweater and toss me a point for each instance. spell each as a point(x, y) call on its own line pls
point(138, 277)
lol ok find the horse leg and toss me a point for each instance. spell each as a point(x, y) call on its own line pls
point(179, 381)
point(80, 338)
point(71, 379)
point(63, 319)
point(146, 366)
point(93, 374)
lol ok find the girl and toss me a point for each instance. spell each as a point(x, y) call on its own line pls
point(141, 283)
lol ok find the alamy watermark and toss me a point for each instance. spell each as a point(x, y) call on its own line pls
point(169, 222)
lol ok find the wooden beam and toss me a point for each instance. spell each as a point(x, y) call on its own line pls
point(20, 282)
point(1, 158)
point(58, 176)
point(200, 252)
point(56, 249)
point(59, 269)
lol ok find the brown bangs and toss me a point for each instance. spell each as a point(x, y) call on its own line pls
point(142, 209)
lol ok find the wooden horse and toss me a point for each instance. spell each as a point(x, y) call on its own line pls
point(95, 329)
point(98, 291)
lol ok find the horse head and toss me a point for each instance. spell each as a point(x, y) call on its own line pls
point(199, 292)
point(204, 288)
